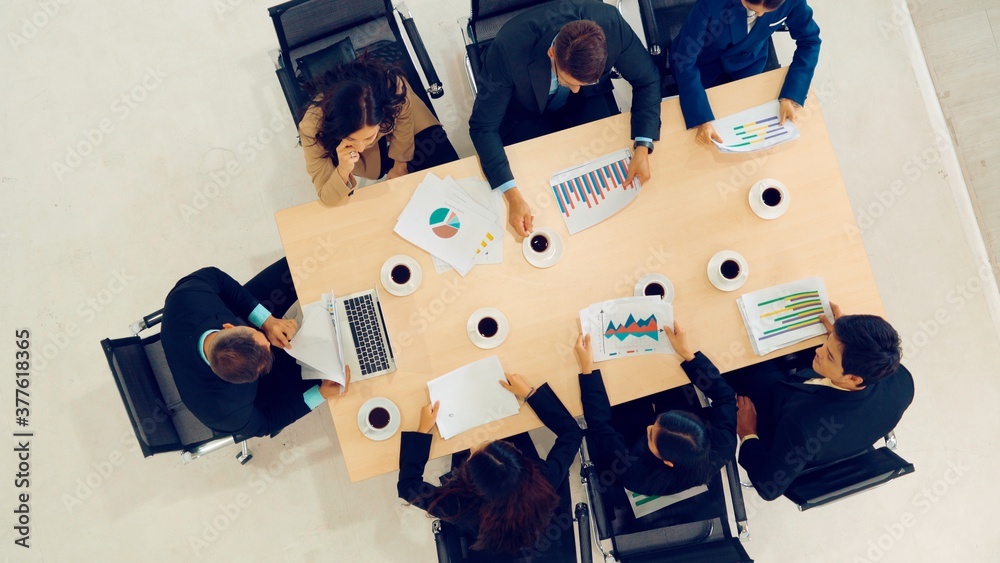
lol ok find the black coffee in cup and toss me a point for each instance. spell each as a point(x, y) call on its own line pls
point(400, 274)
point(539, 243)
point(378, 418)
point(771, 197)
point(654, 289)
point(730, 269)
point(488, 327)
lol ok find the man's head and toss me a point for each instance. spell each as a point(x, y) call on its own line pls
point(239, 354)
point(579, 54)
point(679, 439)
point(861, 350)
point(761, 7)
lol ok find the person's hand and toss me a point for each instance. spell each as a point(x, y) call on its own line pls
point(678, 340)
point(584, 354)
point(516, 385)
point(331, 389)
point(428, 417)
point(398, 169)
point(746, 417)
point(347, 156)
point(706, 134)
point(518, 212)
point(639, 166)
point(835, 309)
point(279, 331)
point(787, 109)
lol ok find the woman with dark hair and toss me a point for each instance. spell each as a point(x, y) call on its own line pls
point(503, 496)
point(365, 120)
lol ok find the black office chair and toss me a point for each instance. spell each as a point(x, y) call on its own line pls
point(159, 418)
point(693, 530)
point(661, 22)
point(316, 35)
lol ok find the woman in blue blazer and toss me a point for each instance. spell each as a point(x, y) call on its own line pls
point(724, 40)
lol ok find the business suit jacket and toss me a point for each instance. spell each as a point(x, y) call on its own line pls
point(636, 468)
point(714, 40)
point(415, 447)
point(203, 301)
point(810, 425)
point(517, 67)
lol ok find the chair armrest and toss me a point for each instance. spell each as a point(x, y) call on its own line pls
point(582, 514)
point(439, 542)
point(148, 321)
point(739, 507)
point(890, 440)
point(649, 27)
point(434, 86)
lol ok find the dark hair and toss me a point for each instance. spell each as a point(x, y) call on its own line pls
point(513, 499)
point(237, 358)
point(362, 93)
point(681, 439)
point(581, 50)
point(768, 4)
point(870, 347)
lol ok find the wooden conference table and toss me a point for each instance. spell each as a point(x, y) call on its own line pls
point(695, 205)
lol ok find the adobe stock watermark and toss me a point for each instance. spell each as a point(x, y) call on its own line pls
point(121, 108)
point(31, 26)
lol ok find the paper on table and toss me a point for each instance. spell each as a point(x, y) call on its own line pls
point(644, 505)
point(779, 316)
point(594, 191)
point(471, 396)
point(492, 201)
point(754, 129)
point(315, 344)
point(628, 326)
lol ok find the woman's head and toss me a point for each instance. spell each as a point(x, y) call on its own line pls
point(359, 100)
point(680, 439)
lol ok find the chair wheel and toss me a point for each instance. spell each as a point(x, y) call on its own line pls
point(244, 460)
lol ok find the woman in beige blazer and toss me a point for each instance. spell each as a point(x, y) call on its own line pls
point(367, 121)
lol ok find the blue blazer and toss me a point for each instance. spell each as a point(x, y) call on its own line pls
point(714, 41)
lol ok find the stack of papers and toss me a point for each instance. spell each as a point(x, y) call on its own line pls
point(783, 315)
point(316, 345)
point(471, 396)
point(443, 219)
point(644, 505)
point(628, 326)
point(480, 191)
point(754, 129)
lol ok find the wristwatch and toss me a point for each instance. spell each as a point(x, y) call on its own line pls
point(646, 144)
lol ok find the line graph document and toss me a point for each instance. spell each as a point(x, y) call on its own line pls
point(628, 326)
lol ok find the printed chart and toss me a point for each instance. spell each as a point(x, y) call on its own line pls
point(628, 326)
point(754, 129)
point(444, 222)
point(594, 191)
point(783, 315)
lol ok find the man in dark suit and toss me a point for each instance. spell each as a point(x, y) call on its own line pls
point(854, 394)
point(226, 372)
point(678, 450)
point(725, 40)
point(549, 69)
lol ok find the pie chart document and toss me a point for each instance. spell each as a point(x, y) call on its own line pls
point(443, 220)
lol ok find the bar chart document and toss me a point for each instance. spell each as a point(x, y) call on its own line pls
point(779, 316)
point(628, 326)
point(754, 129)
point(594, 191)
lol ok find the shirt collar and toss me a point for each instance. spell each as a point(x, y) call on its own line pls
point(201, 344)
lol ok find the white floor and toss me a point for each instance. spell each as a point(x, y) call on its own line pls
point(197, 152)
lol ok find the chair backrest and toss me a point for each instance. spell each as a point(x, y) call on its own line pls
point(834, 481)
point(488, 16)
point(670, 17)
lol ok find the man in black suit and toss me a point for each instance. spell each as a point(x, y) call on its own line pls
point(549, 69)
point(854, 394)
point(226, 372)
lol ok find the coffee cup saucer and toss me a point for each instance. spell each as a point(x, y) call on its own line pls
point(718, 280)
point(401, 290)
point(394, 419)
point(481, 341)
point(757, 204)
point(550, 256)
point(668, 287)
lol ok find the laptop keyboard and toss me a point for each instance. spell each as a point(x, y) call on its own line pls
point(365, 331)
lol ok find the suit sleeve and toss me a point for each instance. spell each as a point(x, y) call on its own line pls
point(554, 415)
point(805, 32)
point(636, 66)
point(604, 440)
point(495, 91)
point(401, 145)
point(414, 450)
point(722, 416)
point(772, 469)
point(684, 63)
point(230, 292)
point(270, 418)
point(330, 186)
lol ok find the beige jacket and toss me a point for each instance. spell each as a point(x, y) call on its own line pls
point(413, 118)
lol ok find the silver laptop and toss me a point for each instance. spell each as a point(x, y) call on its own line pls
point(364, 338)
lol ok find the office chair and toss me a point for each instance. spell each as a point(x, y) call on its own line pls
point(691, 531)
point(159, 418)
point(316, 35)
point(661, 22)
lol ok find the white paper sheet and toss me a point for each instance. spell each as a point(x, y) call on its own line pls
point(754, 129)
point(593, 191)
point(471, 396)
point(628, 326)
point(779, 316)
point(316, 345)
point(491, 200)
point(643, 505)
